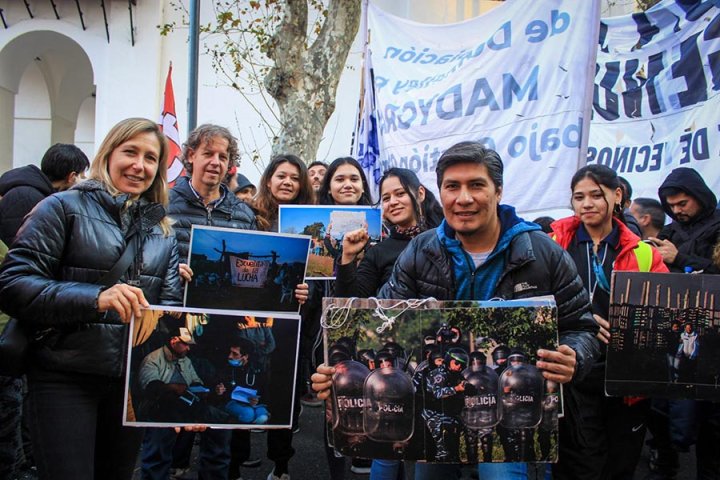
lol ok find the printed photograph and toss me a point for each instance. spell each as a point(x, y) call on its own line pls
point(442, 382)
point(665, 336)
point(189, 366)
point(245, 270)
point(327, 225)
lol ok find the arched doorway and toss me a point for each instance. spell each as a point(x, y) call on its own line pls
point(46, 79)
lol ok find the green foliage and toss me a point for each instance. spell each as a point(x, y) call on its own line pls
point(524, 328)
point(314, 230)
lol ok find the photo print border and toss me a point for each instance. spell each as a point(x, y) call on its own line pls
point(460, 404)
point(249, 274)
point(323, 252)
point(241, 351)
point(664, 336)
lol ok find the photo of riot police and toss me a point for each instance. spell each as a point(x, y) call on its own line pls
point(188, 366)
point(667, 327)
point(245, 270)
point(447, 383)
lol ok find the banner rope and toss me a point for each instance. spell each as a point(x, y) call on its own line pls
point(335, 316)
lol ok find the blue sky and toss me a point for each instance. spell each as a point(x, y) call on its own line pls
point(291, 249)
point(300, 217)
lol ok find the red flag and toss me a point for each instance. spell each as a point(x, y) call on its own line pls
point(169, 125)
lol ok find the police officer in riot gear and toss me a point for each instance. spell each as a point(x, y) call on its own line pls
point(444, 402)
point(481, 381)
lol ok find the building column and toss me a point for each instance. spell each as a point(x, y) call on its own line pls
point(7, 124)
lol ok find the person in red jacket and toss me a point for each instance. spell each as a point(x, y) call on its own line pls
point(600, 437)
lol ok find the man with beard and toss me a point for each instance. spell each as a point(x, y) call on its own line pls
point(165, 376)
point(687, 245)
point(316, 172)
point(690, 239)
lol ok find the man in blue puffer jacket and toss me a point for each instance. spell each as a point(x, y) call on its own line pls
point(483, 250)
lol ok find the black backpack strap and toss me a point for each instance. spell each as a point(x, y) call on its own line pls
point(121, 266)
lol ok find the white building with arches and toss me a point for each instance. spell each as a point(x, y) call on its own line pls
point(70, 69)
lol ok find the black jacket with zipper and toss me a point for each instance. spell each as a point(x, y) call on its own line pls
point(187, 210)
point(535, 266)
point(50, 280)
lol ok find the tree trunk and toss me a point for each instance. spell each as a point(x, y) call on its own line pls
point(303, 81)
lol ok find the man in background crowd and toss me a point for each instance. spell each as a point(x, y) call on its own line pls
point(687, 245)
point(244, 190)
point(650, 216)
point(22, 188)
point(630, 221)
point(316, 172)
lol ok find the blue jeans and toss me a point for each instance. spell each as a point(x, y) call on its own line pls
point(385, 469)
point(157, 454)
point(529, 471)
point(486, 471)
point(246, 413)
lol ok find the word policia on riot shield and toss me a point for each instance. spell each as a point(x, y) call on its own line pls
point(444, 382)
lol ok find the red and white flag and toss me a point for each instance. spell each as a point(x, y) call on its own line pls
point(168, 124)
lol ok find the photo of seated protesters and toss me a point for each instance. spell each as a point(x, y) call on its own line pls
point(243, 400)
point(212, 369)
point(170, 383)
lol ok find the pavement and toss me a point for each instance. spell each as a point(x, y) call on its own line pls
point(309, 462)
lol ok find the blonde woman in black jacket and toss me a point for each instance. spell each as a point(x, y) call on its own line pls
point(52, 281)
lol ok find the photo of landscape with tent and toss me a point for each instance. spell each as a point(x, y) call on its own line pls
point(245, 270)
point(327, 225)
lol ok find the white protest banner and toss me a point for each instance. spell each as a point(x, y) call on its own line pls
point(656, 104)
point(248, 273)
point(518, 78)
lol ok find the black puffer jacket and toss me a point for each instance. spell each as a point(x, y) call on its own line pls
point(21, 189)
point(696, 239)
point(374, 269)
point(535, 266)
point(49, 279)
point(187, 210)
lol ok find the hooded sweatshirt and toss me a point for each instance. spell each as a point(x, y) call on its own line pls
point(21, 189)
point(696, 239)
point(478, 282)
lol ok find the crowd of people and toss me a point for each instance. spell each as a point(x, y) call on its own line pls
point(86, 254)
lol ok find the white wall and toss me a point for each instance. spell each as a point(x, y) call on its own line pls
point(33, 123)
point(129, 80)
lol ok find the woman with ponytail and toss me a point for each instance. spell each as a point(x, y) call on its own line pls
point(600, 437)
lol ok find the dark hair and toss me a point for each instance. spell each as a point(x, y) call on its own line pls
point(471, 152)
point(61, 160)
point(544, 223)
point(206, 133)
point(324, 196)
point(626, 189)
point(601, 175)
point(265, 203)
point(650, 206)
point(243, 344)
point(428, 214)
point(317, 163)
